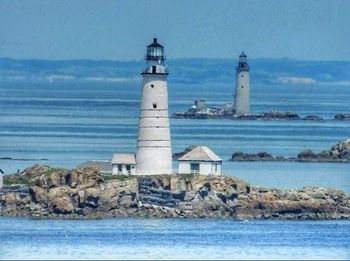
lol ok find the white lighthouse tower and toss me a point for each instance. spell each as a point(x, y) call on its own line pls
point(242, 86)
point(154, 145)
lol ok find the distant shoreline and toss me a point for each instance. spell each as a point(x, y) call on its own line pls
point(22, 159)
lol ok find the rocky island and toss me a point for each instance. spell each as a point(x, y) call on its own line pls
point(339, 152)
point(342, 116)
point(199, 110)
point(45, 192)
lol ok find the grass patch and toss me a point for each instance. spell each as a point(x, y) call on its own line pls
point(117, 177)
point(189, 175)
point(29, 178)
point(52, 170)
point(17, 179)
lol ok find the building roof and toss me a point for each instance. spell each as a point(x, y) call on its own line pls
point(155, 43)
point(104, 165)
point(200, 153)
point(120, 158)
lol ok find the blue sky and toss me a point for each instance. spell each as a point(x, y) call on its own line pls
point(119, 30)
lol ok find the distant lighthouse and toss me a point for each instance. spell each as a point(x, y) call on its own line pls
point(154, 145)
point(242, 86)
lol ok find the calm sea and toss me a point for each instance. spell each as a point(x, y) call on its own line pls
point(72, 122)
point(130, 238)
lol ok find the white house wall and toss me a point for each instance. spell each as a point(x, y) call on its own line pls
point(124, 170)
point(205, 168)
point(184, 168)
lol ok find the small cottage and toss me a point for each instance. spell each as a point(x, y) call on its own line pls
point(200, 160)
point(123, 164)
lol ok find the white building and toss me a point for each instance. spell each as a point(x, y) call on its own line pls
point(154, 145)
point(242, 105)
point(123, 164)
point(1, 181)
point(200, 160)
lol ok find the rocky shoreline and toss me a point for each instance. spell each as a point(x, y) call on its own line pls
point(339, 152)
point(86, 193)
point(199, 110)
point(215, 113)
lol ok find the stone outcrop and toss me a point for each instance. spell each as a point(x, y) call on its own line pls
point(199, 110)
point(342, 116)
point(85, 193)
point(219, 113)
point(339, 152)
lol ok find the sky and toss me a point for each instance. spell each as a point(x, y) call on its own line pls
point(120, 30)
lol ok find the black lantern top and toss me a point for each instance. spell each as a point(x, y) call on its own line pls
point(242, 63)
point(155, 51)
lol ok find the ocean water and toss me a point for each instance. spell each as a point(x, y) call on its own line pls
point(130, 238)
point(69, 122)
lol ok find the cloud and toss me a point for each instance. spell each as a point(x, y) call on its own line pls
point(298, 80)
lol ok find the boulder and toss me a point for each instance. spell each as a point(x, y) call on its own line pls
point(306, 154)
point(342, 116)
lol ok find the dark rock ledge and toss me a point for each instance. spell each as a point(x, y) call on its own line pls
point(342, 116)
point(85, 194)
point(339, 152)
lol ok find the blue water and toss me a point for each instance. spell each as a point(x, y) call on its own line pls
point(128, 238)
point(72, 122)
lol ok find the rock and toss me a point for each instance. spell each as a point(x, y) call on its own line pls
point(265, 156)
point(59, 200)
point(312, 118)
point(39, 195)
point(82, 193)
point(306, 154)
point(342, 116)
point(339, 152)
point(19, 188)
point(238, 156)
point(36, 170)
point(92, 201)
point(261, 156)
point(227, 112)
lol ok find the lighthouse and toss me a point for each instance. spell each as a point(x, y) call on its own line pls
point(242, 86)
point(153, 154)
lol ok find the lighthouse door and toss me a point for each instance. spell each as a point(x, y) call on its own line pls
point(154, 69)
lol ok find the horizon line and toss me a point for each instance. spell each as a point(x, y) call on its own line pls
point(178, 58)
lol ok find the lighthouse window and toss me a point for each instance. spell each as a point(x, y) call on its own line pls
point(154, 105)
point(242, 86)
point(152, 85)
point(242, 76)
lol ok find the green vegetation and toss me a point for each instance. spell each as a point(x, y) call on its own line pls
point(18, 179)
point(117, 177)
point(28, 178)
point(52, 170)
point(189, 175)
